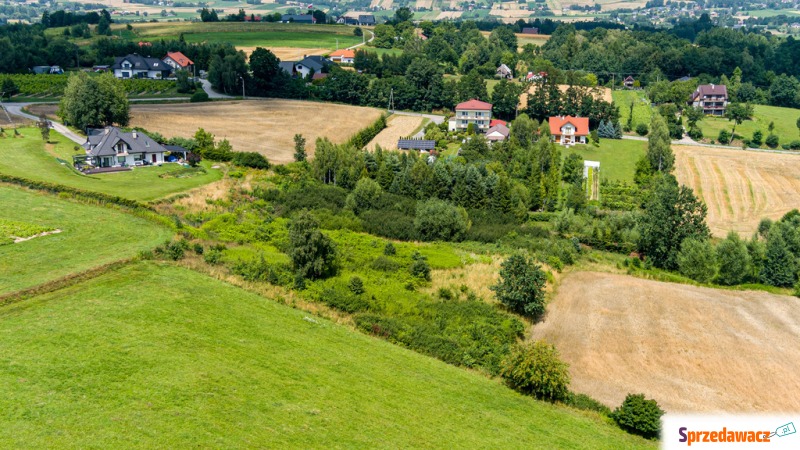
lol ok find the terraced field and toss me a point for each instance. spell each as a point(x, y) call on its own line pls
point(739, 187)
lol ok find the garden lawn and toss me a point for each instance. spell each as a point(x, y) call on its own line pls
point(159, 356)
point(90, 236)
point(30, 158)
point(641, 107)
point(617, 157)
point(785, 120)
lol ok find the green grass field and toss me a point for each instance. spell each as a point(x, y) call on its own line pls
point(617, 157)
point(641, 107)
point(159, 356)
point(785, 120)
point(90, 236)
point(277, 39)
point(27, 157)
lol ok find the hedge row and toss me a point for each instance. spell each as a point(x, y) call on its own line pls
point(363, 137)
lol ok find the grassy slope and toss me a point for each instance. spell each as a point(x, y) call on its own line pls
point(277, 39)
point(159, 356)
point(27, 158)
point(641, 106)
point(90, 236)
point(617, 157)
point(252, 34)
point(785, 124)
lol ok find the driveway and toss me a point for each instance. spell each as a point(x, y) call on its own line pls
point(16, 110)
point(212, 93)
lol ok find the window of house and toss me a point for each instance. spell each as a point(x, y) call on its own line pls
point(121, 159)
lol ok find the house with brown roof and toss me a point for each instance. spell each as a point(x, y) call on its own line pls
point(496, 133)
point(345, 56)
point(713, 98)
point(568, 130)
point(628, 82)
point(471, 112)
point(178, 61)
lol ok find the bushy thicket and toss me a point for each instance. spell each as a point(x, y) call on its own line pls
point(640, 416)
point(535, 369)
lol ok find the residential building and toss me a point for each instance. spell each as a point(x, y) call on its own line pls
point(287, 66)
point(112, 147)
point(496, 133)
point(47, 70)
point(310, 63)
point(136, 66)
point(533, 77)
point(298, 18)
point(504, 72)
point(496, 122)
point(471, 112)
point(345, 56)
point(712, 98)
point(629, 82)
point(178, 61)
point(568, 130)
point(530, 30)
point(416, 144)
point(366, 19)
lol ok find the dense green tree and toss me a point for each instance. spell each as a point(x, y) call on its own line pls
point(736, 113)
point(671, 214)
point(313, 254)
point(573, 169)
point(733, 260)
point(183, 83)
point(266, 69)
point(299, 148)
point(779, 265)
point(8, 88)
point(659, 150)
point(44, 127)
point(521, 286)
point(104, 27)
point(693, 115)
point(91, 102)
point(504, 37)
point(640, 416)
point(472, 86)
point(250, 159)
point(697, 260)
point(522, 132)
point(366, 193)
point(535, 369)
point(438, 220)
point(784, 91)
point(226, 73)
point(505, 99)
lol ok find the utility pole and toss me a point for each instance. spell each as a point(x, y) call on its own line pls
point(4, 109)
point(243, 96)
point(391, 100)
point(337, 43)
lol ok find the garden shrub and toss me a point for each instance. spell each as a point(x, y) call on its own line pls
point(439, 220)
point(535, 369)
point(758, 138)
point(584, 402)
point(724, 137)
point(772, 141)
point(420, 267)
point(641, 129)
point(199, 97)
point(250, 159)
point(639, 416)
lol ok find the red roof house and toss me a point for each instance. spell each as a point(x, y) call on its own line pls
point(474, 105)
point(346, 56)
point(495, 122)
point(178, 61)
point(568, 130)
point(474, 112)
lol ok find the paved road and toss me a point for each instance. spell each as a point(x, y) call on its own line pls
point(432, 117)
point(16, 110)
point(369, 40)
point(211, 92)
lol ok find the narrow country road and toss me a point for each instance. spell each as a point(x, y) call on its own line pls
point(15, 109)
point(432, 117)
point(211, 92)
point(369, 40)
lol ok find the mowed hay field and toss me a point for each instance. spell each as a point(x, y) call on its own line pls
point(692, 349)
point(264, 126)
point(739, 187)
point(396, 127)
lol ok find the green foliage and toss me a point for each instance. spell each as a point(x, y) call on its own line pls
point(521, 286)
point(535, 369)
point(250, 159)
point(639, 416)
point(183, 84)
point(439, 220)
point(419, 267)
point(586, 403)
point(199, 97)
point(758, 138)
point(365, 195)
point(779, 266)
point(659, 151)
point(389, 249)
point(572, 171)
point(93, 102)
point(363, 137)
point(641, 129)
point(733, 260)
point(772, 141)
point(299, 148)
point(724, 137)
point(356, 285)
point(696, 260)
point(313, 254)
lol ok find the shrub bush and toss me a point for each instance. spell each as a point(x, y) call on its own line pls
point(639, 416)
point(389, 249)
point(384, 264)
point(772, 141)
point(583, 401)
point(364, 196)
point(199, 97)
point(439, 220)
point(758, 138)
point(724, 137)
point(420, 267)
point(521, 286)
point(250, 159)
point(313, 254)
point(535, 369)
point(343, 300)
point(697, 260)
point(355, 285)
point(642, 129)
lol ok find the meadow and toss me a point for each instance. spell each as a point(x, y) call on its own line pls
point(785, 120)
point(686, 365)
point(154, 355)
point(617, 157)
point(89, 236)
point(277, 39)
point(641, 107)
point(29, 157)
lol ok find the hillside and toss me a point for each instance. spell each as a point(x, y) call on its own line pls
point(159, 356)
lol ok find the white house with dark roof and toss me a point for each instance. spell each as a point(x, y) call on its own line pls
point(137, 66)
point(112, 147)
point(713, 98)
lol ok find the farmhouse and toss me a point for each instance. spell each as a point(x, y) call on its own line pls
point(712, 98)
point(310, 63)
point(532, 77)
point(496, 133)
point(568, 130)
point(298, 18)
point(112, 147)
point(345, 56)
point(629, 82)
point(366, 19)
point(473, 112)
point(178, 61)
point(136, 66)
point(503, 72)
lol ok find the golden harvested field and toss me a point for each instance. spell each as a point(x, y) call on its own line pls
point(601, 93)
point(264, 126)
point(396, 127)
point(692, 349)
point(289, 53)
point(739, 187)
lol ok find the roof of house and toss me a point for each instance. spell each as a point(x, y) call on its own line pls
point(315, 62)
point(503, 68)
point(687, 78)
point(344, 53)
point(500, 129)
point(319, 76)
point(530, 30)
point(140, 63)
point(581, 124)
point(101, 142)
point(175, 149)
point(710, 89)
point(287, 66)
point(180, 58)
point(629, 78)
point(297, 18)
point(474, 105)
point(494, 122)
point(416, 144)
point(366, 18)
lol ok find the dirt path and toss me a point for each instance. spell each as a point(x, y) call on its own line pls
point(692, 349)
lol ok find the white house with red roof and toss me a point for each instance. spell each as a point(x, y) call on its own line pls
point(568, 130)
point(178, 61)
point(471, 112)
point(345, 56)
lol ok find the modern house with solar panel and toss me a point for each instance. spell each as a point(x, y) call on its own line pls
point(416, 144)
